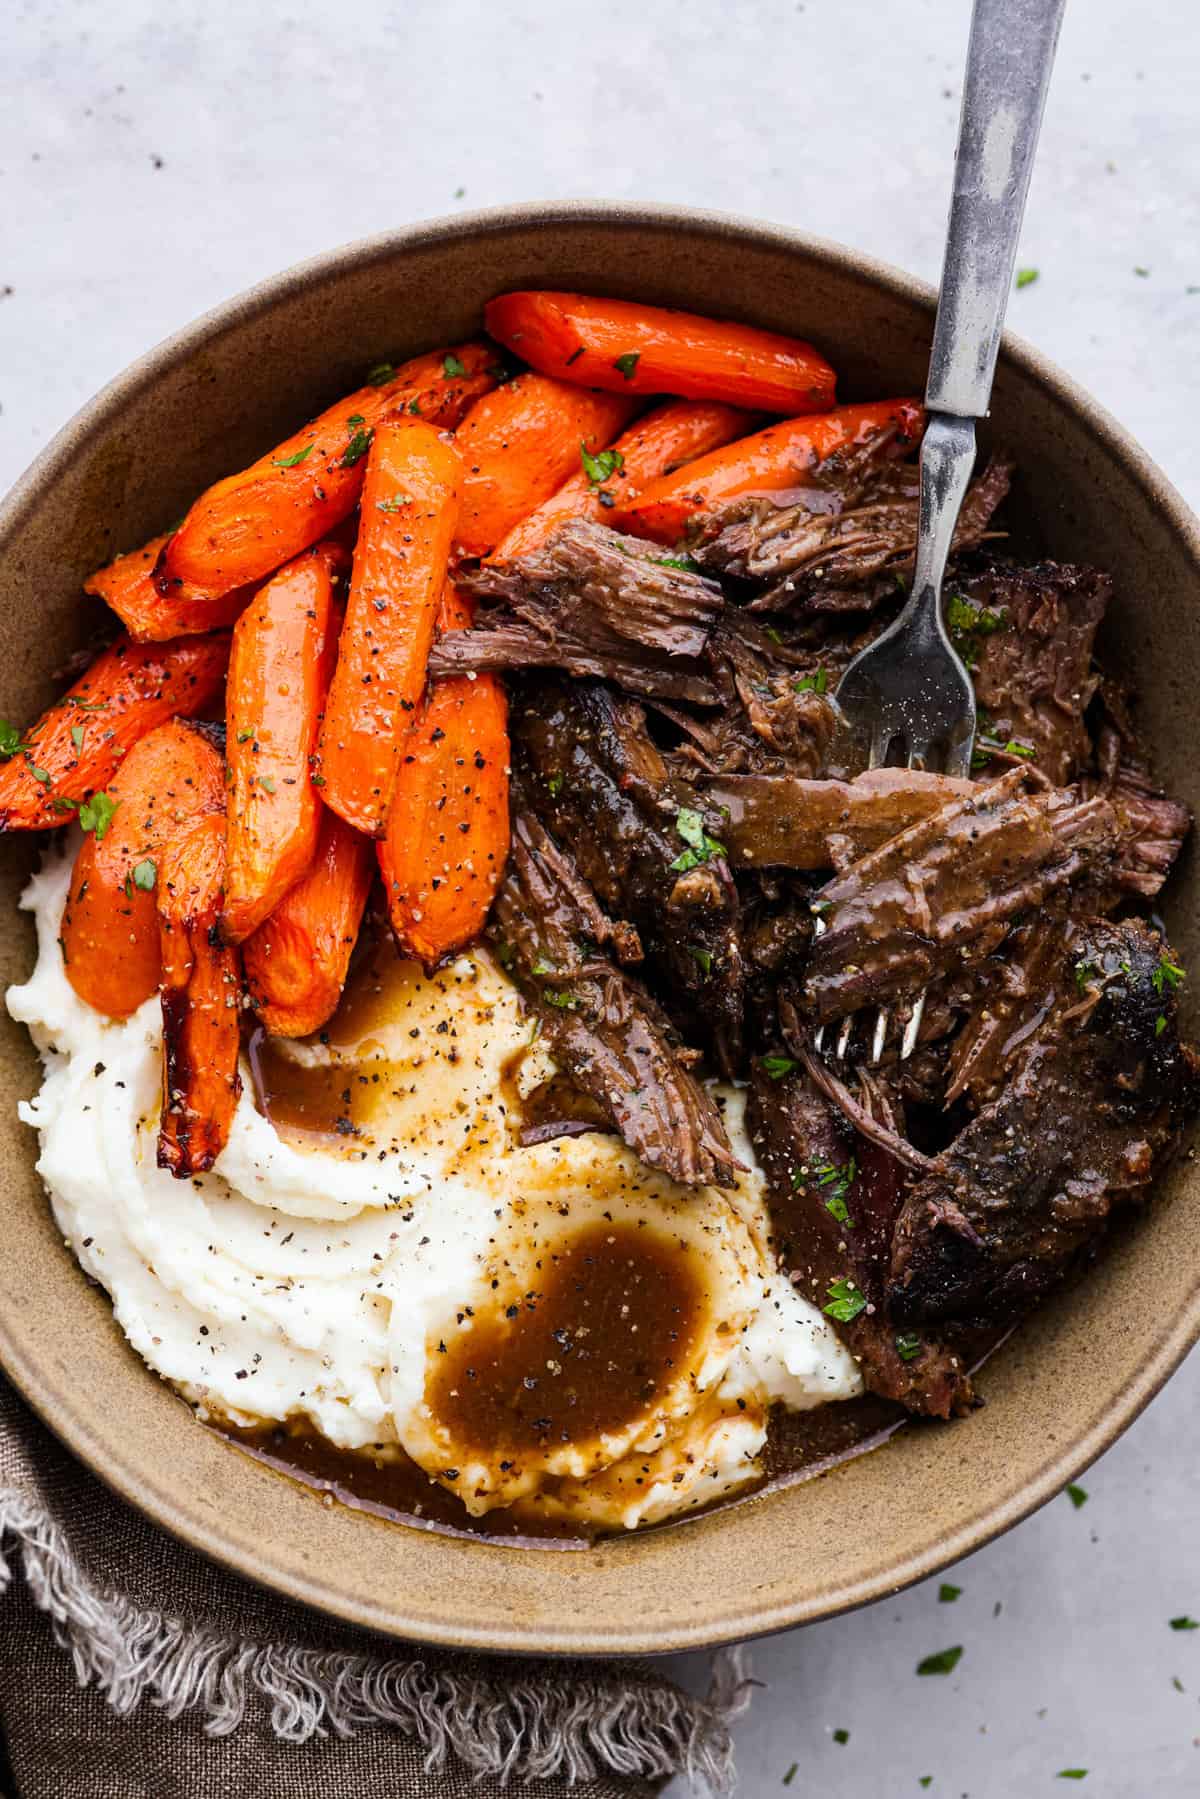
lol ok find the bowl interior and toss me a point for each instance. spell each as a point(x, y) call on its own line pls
point(1071, 1379)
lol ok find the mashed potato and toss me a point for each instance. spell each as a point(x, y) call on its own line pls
point(550, 1324)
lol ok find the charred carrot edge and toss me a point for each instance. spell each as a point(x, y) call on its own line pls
point(296, 962)
point(626, 347)
point(666, 439)
point(284, 647)
point(76, 747)
point(774, 461)
point(109, 934)
point(409, 515)
point(520, 443)
point(201, 1002)
point(249, 524)
point(128, 585)
point(447, 839)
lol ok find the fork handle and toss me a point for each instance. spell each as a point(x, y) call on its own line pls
point(1009, 59)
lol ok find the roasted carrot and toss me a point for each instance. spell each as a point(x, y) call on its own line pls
point(664, 440)
point(201, 1002)
point(626, 347)
point(251, 523)
point(284, 647)
point(410, 509)
point(76, 746)
point(775, 461)
point(151, 615)
point(520, 443)
point(109, 933)
point(447, 836)
point(296, 962)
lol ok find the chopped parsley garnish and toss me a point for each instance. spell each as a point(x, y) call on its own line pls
point(381, 374)
point(841, 1736)
point(397, 501)
point(41, 775)
point(1185, 1623)
point(1071, 1774)
point(625, 365)
point(1167, 975)
point(541, 966)
point(944, 1662)
point(360, 441)
point(77, 736)
point(1084, 972)
point(967, 624)
point(566, 1000)
point(414, 406)
point(266, 782)
point(1160, 1025)
point(845, 1302)
point(925, 1780)
point(701, 957)
point(816, 683)
point(1027, 277)
point(452, 365)
point(908, 1346)
point(1138, 269)
point(145, 874)
point(681, 562)
point(700, 846)
point(10, 740)
point(601, 467)
point(791, 1774)
point(987, 747)
point(96, 814)
point(246, 733)
point(948, 1593)
point(839, 1181)
point(554, 782)
point(1077, 1495)
point(778, 1066)
point(293, 460)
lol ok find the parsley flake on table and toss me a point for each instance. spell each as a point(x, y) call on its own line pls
point(841, 1736)
point(96, 814)
point(1027, 277)
point(1071, 1774)
point(294, 460)
point(700, 846)
point(1077, 1495)
point(948, 1593)
point(925, 1780)
point(602, 466)
point(944, 1662)
point(452, 365)
point(791, 1774)
point(625, 365)
point(1185, 1623)
point(845, 1302)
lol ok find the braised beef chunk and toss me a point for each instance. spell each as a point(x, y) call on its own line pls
point(833, 1201)
point(1027, 636)
point(1151, 828)
point(949, 888)
point(785, 821)
point(644, 842)
point(602, 1026)
point(833, 541)
point(593, 603)
point(1094, 1108)
point(775, 707)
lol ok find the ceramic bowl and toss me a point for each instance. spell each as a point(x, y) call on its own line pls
point(218, 394)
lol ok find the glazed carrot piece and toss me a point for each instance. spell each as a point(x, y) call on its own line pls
point(201, 1002)
point(76, 746)
point(284, 648)
point(409, 513)
point(251, 523)
point(296, 962)
point(109, 933)
point(626, 347)
point(447, 836)
point(664, 440)
point(777, 461)
point(150, 615)
point(520, 443)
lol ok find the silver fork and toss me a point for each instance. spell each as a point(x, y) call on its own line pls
point(907, 696)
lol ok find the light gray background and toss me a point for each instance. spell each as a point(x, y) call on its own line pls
point(157, 156)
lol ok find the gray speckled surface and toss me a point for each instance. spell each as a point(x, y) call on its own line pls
point(155, 159)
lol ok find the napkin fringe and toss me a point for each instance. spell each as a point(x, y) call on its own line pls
point(542, 1727)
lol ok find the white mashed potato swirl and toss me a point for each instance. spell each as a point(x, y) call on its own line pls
point(338, 1281)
